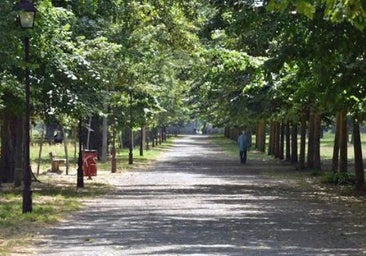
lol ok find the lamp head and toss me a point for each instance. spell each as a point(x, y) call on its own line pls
point(26, 12)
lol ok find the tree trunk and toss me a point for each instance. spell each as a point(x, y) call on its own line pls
point(163, 133)
point(113, 149)
point(277, 127)
point(226, 132)
point(288, 142)
point(8, 139)
point(317, 135)
point(40, 148)
point(282, 140)
point(66, 150)
point(294, 157)
point(302, 143)
point(147, 131)
point(131, 146)
point(142, 140)
point(75, 133)
point(335, 159)
point(93, 138)
point(104, 148)
point(152, 136)
point(343, 134)
point(19, 159)
point(310, 158)
point(271, 139)
point(261, 136)
point(80, 175)
point(359, 168)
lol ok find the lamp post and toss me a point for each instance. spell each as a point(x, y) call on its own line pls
point(26, 12)
point(80, 174)
point(130, 154)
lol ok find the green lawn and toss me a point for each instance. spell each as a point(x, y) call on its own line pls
point(326, 147)
point(326, 150)
point(122, 157)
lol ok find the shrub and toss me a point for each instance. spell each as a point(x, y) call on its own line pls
point(338, 178)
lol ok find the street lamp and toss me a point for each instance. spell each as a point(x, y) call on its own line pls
point(130, 154)
point(26, 12)
point(80, 174)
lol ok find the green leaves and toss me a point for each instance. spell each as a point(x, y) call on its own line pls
point(222, 83)
point(335, 10)
point(305, 7)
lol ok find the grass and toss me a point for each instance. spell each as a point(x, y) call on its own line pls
point(326, 147)
point(122, 157)
point(56, 195)
point(52, 201)
point(327, 141)
point(307, 178)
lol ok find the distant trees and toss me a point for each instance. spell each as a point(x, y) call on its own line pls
point(287, 66)
point(310, 68)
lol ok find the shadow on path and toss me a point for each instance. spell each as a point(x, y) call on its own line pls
point(198, 201)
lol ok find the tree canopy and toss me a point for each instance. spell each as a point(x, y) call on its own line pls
point(231, 63)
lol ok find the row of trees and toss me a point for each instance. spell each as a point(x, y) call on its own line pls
point(121, 61)
point(291, 66)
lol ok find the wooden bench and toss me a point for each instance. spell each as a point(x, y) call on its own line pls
point(56, 162)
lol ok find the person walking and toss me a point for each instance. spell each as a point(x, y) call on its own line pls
point(243, 147)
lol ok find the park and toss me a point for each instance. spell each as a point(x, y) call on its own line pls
point(100, 99)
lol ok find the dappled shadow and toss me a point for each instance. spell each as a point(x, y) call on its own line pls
point(203, 204)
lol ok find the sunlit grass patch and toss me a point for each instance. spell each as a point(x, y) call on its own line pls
point(138, 161)
point(56, 195)
point(230, 147)
point(51, 203)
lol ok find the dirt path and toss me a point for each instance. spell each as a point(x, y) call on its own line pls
point(197, 201)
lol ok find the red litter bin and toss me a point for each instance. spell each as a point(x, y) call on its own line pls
point(90, 163)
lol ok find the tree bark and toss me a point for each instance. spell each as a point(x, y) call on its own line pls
point(66, 150)
point(93, 139)
point(302, 143)
point(317, 135)
point(104, 148)
point(147, 132)
point(40, 148)
point(359, 168)
point(80, 174)
point(19, 159)
point(8, 139)
point(335, 158)
point(310, 157)
point(113, 149)
point(261, 136)
point(142, 140)
point(288, 142)
point(282, 140)
point(152, 136)
point(277, 139)
point(294, 157)
point(271, 139)
point(343, 141)
point(75, 134)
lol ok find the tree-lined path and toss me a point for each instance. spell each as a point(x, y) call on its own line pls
point(197, 201)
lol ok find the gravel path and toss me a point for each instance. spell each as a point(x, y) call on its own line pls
point(197, 201)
